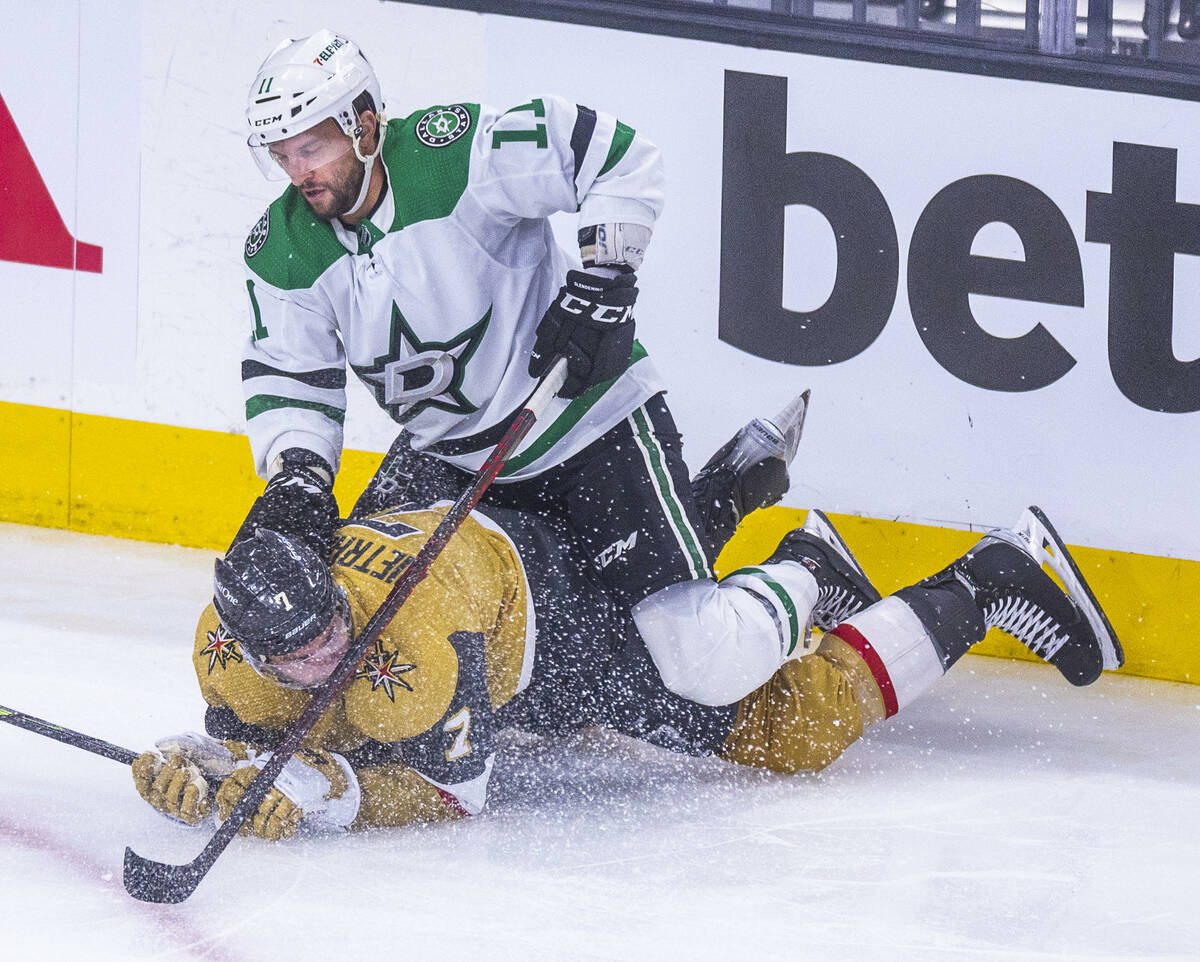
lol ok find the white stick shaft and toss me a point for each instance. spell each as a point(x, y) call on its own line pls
point(547, 388)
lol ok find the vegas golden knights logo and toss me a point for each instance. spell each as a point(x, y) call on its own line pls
point(384, 670)
point(222, 648)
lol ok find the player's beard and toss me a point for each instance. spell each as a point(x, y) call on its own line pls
point(341, 191)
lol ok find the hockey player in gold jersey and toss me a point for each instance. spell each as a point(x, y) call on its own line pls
point(422, 700)
point(510, 629)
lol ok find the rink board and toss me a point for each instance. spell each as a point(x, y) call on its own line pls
point(189, 487)
point(124, 304)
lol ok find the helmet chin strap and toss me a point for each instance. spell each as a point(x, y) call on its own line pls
point(368, 162)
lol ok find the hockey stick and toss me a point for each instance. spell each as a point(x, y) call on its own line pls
point(39, 726)
point(152, 881)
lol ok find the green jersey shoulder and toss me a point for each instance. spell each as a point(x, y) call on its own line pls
point(427, 158)
point(289, 247)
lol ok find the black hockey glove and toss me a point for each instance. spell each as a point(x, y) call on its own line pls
point(298, 502)
point(590, 323)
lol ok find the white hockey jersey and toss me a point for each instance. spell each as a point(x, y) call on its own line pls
point(434, 300)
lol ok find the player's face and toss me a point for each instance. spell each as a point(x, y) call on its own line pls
point(312, 664)
point(321, 165)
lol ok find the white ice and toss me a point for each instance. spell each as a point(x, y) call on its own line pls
point(1004, 816)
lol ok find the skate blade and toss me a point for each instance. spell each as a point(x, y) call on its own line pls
point(1034, 534)
point(790, 424)
point(818, 525)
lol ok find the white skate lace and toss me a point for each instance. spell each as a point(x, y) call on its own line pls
point(835, 605)
point(1029, 624)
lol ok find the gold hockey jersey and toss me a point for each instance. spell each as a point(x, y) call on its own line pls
point(417, 721)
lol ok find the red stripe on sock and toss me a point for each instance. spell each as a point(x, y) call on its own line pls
point(451, 802)
point(850, 635)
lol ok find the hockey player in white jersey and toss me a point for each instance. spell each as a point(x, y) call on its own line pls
point(417, 253)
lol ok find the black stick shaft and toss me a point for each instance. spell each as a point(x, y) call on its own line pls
point(39, 726)
point(158, 882)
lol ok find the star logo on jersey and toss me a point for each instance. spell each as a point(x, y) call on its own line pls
point(258, 235)
point(416, 374)
point(443, 125)
point(383, 669)
point(222, 648)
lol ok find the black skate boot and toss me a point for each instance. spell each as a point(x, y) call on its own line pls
point(1004, 576)
point(750, 471)
point(843, 587)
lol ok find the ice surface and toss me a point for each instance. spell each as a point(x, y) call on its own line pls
point(1004, 816)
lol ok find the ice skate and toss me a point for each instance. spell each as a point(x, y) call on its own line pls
point(1065, 626)
point(843, 585)
point(750, 471)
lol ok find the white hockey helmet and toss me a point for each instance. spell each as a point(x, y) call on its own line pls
point(302, 83)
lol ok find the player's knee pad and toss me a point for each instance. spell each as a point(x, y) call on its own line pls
point(715, 642)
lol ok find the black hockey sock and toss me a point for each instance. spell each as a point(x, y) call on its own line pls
point(949, 614)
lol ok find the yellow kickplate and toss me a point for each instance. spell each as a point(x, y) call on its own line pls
point(35, 454)
point(1153, 603)
point(134, 479)
point(155, 482)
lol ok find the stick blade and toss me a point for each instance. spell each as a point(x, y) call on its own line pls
point(150, 881)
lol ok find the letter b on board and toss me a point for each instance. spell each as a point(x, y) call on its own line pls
point(760, 178)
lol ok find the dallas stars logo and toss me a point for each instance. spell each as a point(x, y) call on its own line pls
point(443, 125)
point(258, 235)
point(221, 648)
point(383, 669)
point(415, 374)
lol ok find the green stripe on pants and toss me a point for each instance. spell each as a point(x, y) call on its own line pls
point(675, 513)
